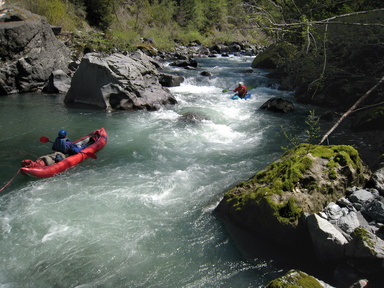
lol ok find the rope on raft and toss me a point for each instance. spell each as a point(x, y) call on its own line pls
point(10, 181)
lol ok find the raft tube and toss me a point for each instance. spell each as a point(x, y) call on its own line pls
point(235, 97)
point(94, 142)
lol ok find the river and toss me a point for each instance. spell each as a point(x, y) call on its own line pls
point(141, 215)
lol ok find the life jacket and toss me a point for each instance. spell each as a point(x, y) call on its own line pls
point(62, 145)
point(241, 90)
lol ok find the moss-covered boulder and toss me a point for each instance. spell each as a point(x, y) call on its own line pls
point(273, 203)
point(295, 279)
point(274, 56)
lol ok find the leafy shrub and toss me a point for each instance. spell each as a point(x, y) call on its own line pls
point(55, 11)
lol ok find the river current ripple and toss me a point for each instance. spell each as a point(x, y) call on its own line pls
point(141, 215)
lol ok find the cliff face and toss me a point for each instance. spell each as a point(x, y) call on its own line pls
point(29, 51)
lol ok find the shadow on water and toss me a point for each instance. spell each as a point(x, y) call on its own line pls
point(302, 258)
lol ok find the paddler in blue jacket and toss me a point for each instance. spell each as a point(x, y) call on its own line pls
point(64, 145)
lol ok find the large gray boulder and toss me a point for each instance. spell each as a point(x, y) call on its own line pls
point(29, 51)
point(328, 241)
point(59, 82)
point(169, 80)
point(118, 82)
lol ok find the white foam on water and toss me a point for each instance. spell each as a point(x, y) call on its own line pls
point(193, 89)
point(56, 231)
point(141, 214)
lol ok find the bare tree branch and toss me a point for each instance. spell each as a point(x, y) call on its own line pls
point(329, 20)
point(351, 109)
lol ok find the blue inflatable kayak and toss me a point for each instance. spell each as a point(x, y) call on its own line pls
point(235, 97)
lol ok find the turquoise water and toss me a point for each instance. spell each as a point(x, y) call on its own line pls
point(141, 215)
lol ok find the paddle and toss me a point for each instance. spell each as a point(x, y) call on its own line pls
point(226, 90)
point(44, 139)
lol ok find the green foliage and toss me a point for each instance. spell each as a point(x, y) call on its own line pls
point(166, 21)
point(163, 12)
point(329, 51)
point(294, 140)
point(92, 41)
point(314, 128)
point(56, 12)
point(322, 9)
point(124, 39)
point(312, 134)
point(100, 12)
point(303, 69)
point(209, 21)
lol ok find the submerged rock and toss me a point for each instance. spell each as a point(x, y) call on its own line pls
point(278, 105)
point(193, 117)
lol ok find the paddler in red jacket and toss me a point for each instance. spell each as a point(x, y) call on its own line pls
point(241, 90)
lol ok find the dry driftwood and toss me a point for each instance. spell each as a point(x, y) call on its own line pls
point(351, 109)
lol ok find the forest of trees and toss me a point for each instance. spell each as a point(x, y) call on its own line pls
point(125, 22)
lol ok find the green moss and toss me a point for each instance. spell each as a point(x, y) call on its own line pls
point(295, 279)
point(332, 174)
point(292, 172)
point(284, 174)
point(347, 155)
point(332, 166)
point(289, 211)
point(317, 150)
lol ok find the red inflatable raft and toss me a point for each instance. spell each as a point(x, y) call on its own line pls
point(94, 142)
